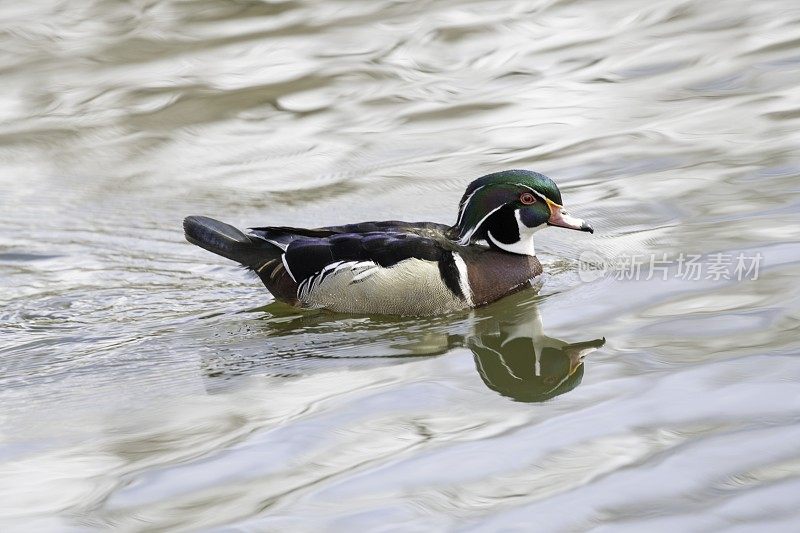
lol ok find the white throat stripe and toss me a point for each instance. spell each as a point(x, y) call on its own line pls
point(524, 246)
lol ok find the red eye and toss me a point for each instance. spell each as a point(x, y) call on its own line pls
point(527, 198)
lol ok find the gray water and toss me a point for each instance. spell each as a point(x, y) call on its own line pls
point(148, 385)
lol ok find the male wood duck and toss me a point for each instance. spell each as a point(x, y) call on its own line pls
point(404, 268)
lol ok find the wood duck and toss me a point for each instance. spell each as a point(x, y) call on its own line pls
point(403, 268)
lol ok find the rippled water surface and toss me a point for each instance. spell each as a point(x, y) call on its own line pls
point(147, 384)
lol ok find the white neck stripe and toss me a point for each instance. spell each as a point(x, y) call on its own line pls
point(465, 239)
point(466, 203)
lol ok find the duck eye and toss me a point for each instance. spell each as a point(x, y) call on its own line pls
point(527, 198)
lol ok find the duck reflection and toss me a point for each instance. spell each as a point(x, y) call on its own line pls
point(515, 358)
point(512, 354)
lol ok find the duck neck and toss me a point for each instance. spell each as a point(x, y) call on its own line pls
point(505, 231)
point(524, 246)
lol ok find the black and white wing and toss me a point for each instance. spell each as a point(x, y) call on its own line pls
point(376, 271)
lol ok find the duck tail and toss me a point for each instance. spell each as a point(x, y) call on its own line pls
point(227, 241)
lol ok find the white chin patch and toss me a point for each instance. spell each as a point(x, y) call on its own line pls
point(524, 246)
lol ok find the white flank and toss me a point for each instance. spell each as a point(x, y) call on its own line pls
point(366, 273)
point(412, 286)
point(361, 264)
point(313, 281)
point(328, 268)
point(463, 278)
point(362, 269)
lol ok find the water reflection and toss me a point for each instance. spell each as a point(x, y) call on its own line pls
point(513, 355)
point(515, 358)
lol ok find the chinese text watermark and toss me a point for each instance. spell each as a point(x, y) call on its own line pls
point(720, 266)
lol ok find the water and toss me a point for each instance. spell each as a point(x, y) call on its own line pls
point(149, 385)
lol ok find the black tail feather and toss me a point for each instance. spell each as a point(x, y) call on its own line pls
point(227, 241)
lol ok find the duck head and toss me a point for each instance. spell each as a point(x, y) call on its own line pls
point(506, 208)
